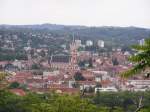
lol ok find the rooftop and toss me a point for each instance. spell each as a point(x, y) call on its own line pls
point(61, 58)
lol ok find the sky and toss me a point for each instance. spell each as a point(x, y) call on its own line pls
point(76, 12)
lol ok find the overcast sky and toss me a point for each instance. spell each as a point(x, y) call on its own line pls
point(76, 12)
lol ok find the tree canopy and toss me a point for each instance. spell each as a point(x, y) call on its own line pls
point(51, 102)
point(141, 60)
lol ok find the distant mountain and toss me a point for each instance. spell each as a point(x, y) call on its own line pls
point(43, 26)
point(112, 35)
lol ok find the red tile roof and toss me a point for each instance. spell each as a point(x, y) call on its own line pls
point(105, 83)
point(19, 92)
point(87, 82)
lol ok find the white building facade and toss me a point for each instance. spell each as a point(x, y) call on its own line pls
point(100, 43)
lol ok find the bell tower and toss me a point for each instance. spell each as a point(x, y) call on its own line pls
point(73, 53)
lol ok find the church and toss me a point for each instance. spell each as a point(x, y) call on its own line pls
point(65, 62)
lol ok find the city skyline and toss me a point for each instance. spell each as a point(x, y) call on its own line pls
point(76, 12)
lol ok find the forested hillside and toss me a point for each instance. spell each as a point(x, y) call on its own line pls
point(115, 35)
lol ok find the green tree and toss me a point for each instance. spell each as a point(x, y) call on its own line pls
point(3, 81)
point(90, 61)
point(14, 85)
point(115, 61)
point(9, 102)
point(42, 53)
point(2, 76)
point(82, 63)
point(145, 110)
point(141, 60)
point(78, 76)
point(35, 66)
